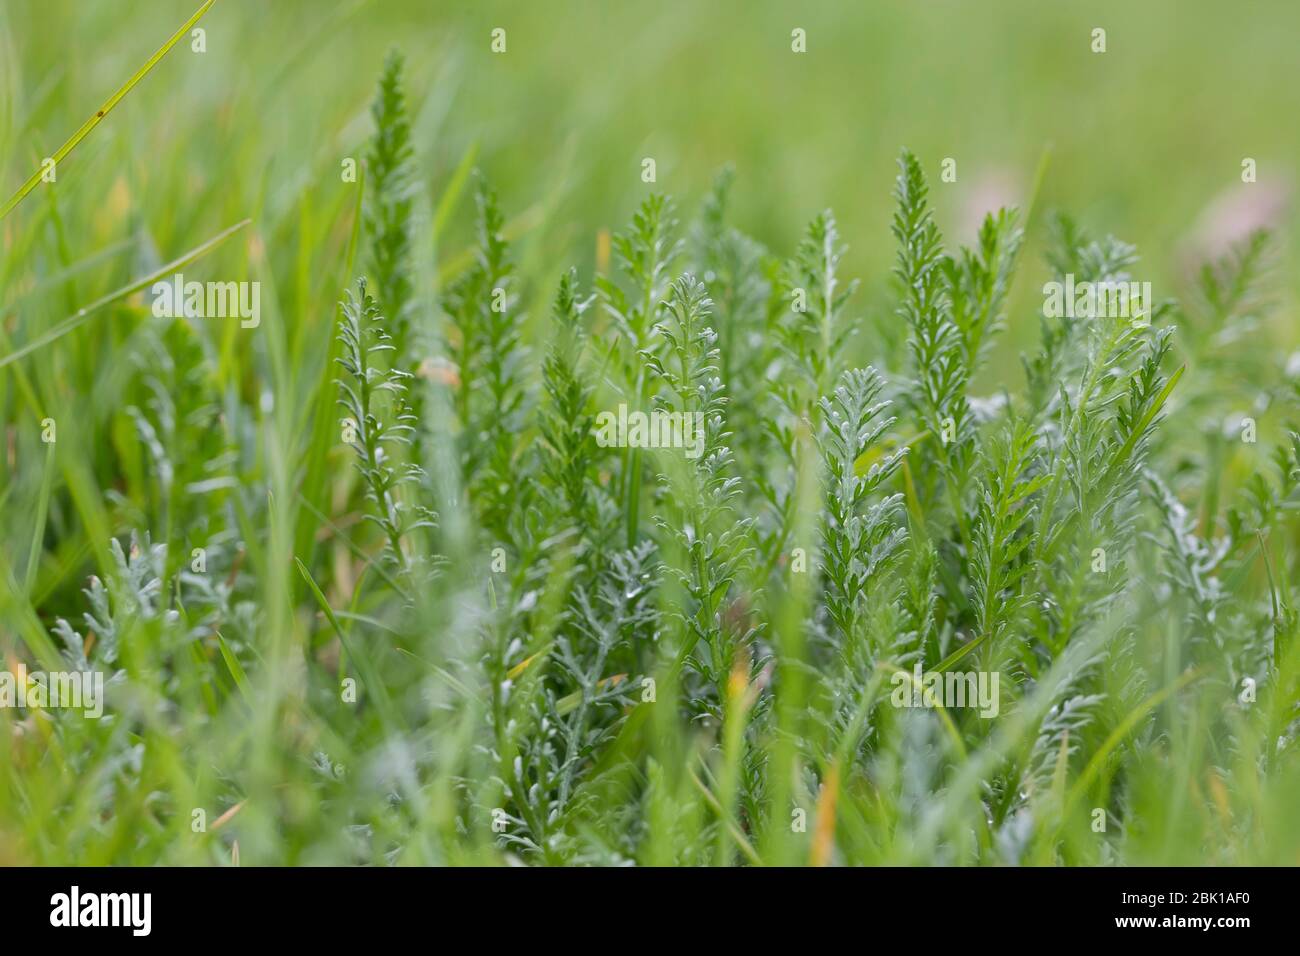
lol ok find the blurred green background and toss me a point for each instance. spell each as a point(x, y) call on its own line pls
point(1146, 139)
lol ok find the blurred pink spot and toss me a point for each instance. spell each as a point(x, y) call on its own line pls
point(1233, 215)
point(993, 189)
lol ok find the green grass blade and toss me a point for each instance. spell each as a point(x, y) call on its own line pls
point(959, 653)
point(38, 531)
point(235, 668)
point(451, 194)
point(1141, 427)
point(104, 110)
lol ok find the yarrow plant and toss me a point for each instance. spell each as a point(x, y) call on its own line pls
point(398, 598)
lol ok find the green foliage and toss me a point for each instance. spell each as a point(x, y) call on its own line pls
point(860, 532)
point(390, 177)
point(709, 537)
point(380, 423)
point(661, 652)
point(489, 353)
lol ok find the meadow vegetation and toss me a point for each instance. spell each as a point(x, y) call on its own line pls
point(366, 588)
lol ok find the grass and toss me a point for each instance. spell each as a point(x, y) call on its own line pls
point(368, 588)
point(50, 166)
